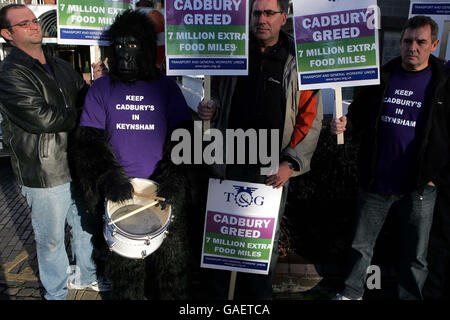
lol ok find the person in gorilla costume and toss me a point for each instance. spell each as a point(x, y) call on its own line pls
point(123, 128)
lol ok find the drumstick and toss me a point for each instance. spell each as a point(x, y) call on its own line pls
point(143, 195)
point(133, 212)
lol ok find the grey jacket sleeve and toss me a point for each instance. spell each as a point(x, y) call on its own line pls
point(304, 150)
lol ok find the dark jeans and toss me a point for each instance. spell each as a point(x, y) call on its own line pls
point(415, 217)
point(248, 285)
point(439, 248)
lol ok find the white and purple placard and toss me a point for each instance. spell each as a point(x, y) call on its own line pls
point(240, 225)
point(439, 11)
point(336, 43)
point(206, 37)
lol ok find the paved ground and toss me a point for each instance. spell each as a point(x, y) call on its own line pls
point(295, 278)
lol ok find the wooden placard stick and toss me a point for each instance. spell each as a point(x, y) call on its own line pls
point(338, 99)
point(232, 285)
point(95, 55)
point(206, 98)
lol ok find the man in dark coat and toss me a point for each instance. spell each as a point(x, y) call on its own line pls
point(404, 124)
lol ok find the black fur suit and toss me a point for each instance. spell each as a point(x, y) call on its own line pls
point(185, 187)
point(165, 274)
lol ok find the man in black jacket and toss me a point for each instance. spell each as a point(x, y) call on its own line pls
point(39, 96)
point(405, 140)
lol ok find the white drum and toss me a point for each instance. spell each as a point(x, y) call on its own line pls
point(141, 234)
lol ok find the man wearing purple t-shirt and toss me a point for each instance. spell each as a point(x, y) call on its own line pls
point(403, 123)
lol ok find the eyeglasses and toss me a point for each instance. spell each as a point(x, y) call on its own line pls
point(26, 23)
point(266, 13)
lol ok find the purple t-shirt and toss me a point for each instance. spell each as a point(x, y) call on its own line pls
point(136, 117)
point(401, 128)
point(49, 69)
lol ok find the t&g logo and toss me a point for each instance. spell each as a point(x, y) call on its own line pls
point(244, 196)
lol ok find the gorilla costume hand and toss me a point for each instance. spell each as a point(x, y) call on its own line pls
point(115, 186)
point(97, 169)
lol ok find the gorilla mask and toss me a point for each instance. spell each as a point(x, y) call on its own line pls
point(128, 52)
point(133, 44)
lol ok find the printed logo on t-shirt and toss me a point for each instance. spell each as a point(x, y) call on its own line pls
point(403, 117)
point(136, 115)
point(401, 99)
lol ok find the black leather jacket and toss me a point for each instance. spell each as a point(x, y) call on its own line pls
point(38, 113)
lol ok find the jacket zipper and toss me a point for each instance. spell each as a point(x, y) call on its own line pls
point(44, 136)
point(43, 143)
point(64, 97)
point(60, 90)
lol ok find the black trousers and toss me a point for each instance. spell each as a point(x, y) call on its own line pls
point(437, 284)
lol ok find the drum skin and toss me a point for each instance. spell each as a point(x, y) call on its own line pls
point(136, 246)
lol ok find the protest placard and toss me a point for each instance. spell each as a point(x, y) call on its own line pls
point(336, 42)
point(439, 11)
point(206, 37)
point(83, 22)
point(240, 226)
point(336, 45)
